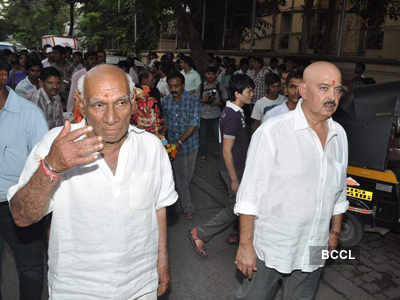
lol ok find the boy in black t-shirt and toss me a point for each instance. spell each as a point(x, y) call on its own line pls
point(234, 142)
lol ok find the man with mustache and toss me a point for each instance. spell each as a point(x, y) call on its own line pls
point(181, 114)
point(27, 87)
point(48, 98)
point(293, 192)
point(107, 184)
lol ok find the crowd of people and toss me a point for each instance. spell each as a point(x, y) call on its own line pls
point(103, 174)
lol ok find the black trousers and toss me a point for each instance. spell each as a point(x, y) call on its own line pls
point(27, 247)
point(207, 127)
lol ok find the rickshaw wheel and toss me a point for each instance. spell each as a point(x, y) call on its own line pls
point(352, 230)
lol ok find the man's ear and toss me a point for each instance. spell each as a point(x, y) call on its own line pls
point(40, 83)
point(133, 100)
point(302, 89)
point(80, 103)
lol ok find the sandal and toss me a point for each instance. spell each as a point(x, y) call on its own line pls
point(193, 237)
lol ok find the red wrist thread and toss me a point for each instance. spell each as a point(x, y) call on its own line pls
point(53, 176)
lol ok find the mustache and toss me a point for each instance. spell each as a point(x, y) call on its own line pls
point(330, 102)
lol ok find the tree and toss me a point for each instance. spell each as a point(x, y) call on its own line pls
point(28, 21)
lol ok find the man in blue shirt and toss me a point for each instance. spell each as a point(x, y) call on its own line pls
point(22, 125)
point(181, 113)
point(30, 84)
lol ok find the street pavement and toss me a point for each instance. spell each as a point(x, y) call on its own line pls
point(375, 276)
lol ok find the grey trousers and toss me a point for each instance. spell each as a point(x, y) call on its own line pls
point(224, 218)
point(297, 285)
point(183, 166)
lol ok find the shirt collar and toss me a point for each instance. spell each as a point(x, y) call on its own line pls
point(12, 102)
point(29, 82)
point(233, 106)
point(300, 121)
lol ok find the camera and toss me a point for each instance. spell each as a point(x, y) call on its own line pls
point(212, 96)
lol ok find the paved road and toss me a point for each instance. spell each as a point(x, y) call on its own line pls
point(377, 276)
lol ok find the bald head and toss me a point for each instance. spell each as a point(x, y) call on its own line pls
point(319, 70)
point(104, 74)
point(104, 69)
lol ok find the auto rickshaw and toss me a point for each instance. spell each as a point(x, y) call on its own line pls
point(370, 117)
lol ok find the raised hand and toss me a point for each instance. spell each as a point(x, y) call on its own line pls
point(67, 152)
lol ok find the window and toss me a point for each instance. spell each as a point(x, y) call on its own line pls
point(286, 29)
point(375, 12)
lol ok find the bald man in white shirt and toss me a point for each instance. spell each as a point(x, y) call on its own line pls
point(107, 184)
point(293, 192)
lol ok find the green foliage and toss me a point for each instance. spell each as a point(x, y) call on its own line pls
point(110, 23)
point(28, 21)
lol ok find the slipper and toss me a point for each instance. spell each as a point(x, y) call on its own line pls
point(193, 237)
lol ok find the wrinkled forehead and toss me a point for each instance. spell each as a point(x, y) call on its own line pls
point(331, 78)
point(105, 86)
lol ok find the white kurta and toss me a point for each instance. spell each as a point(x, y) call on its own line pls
point(104, 232)
point(293, 186)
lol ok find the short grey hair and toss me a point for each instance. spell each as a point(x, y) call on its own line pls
point(131, 84)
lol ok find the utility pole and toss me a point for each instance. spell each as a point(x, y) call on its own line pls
point(341, 29)
point(225, 22)
point(253, 24)
point(203, 19)
point(135, 22)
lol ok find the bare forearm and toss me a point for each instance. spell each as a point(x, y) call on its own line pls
point(162, 233)
point(336, 223)
point(230, 167)
point(30, 204)
point(246, 223)
point(188, 133)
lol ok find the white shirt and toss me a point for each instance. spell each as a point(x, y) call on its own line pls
point(134, 75)
point(277, 110)
point(104, 231)
point(192, 80)
point(221, 73)
point(46, 63)
point(74, 86)
point(26, 89)
point(293, 187)
point(261, 104)
point(162, 86)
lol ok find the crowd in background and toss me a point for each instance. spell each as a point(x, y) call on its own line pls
point(186, 108)
point(50, 79)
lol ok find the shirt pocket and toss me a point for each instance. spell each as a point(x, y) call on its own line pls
point(12, 160)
